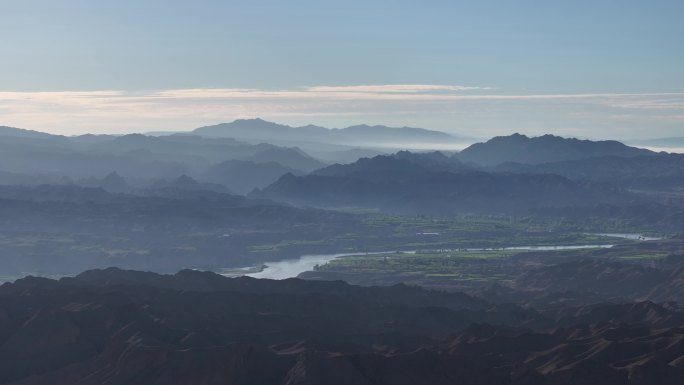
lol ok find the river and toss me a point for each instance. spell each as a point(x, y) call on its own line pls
point(291, 268)
point(634, 237)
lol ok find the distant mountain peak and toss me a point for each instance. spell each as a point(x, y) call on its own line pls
point(259, 130)
point(253, 121)
point(518, 148)
point(112, 182)
point(113, 176)
point(181, 182)
point(430, 183)
point(23, 133)
point(184, 180)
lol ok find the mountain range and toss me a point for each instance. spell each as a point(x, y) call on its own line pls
point(645, 172)
point(507, 266)
point(244, 176)
point(434, 184)
point(498, 175)
point(258, 130)
point(126, 327)
point(543, 149)
point(143, 160)
point(503, 175)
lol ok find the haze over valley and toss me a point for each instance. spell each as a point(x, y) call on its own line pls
point(511, 235)
point(341, 193)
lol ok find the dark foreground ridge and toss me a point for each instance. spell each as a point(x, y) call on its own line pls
point(126, 327)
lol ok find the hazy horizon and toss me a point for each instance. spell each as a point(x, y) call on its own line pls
point(343, 237)
point(116, 112)
point(583, 69)
point(459, 143)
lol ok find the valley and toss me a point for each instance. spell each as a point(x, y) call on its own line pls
point(356, 263)
point(149, 259)
point(341, 192)
point(470, 270)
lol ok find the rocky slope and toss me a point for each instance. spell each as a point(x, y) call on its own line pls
point(125, 327)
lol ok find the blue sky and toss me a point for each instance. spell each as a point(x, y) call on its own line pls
point(484, 67)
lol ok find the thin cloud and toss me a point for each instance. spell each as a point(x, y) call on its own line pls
point(380, 92)
point(672, 103)
point(394, 88)
point(387, 92)
point(431, 106)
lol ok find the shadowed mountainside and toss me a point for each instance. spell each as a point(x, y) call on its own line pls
point(244, 176)
point(138, 161)
point(650, 172)
point(125, 327)
point(22, 133)
point(430, 184)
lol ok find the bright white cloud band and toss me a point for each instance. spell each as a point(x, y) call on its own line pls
point(448, 107)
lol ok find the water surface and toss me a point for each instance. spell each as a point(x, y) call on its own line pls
point(291, 268)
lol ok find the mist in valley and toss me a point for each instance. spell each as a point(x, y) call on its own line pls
point(341, 193)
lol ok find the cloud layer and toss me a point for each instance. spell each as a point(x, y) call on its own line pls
point(469, 110)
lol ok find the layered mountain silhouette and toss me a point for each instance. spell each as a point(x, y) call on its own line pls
point(658, 171)
point(196, 149)
point(32, 158)
point(289, 157)
point(261, 130)
point(166, 203)
point(186, 183)
point(22, 133)
point(244, 176)
point(112, 182)
point(543, 149)
point(125, 327)
point(432, 183)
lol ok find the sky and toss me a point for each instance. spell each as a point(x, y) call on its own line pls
point(591, 69)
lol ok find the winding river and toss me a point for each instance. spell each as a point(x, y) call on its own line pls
point(291, 268)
